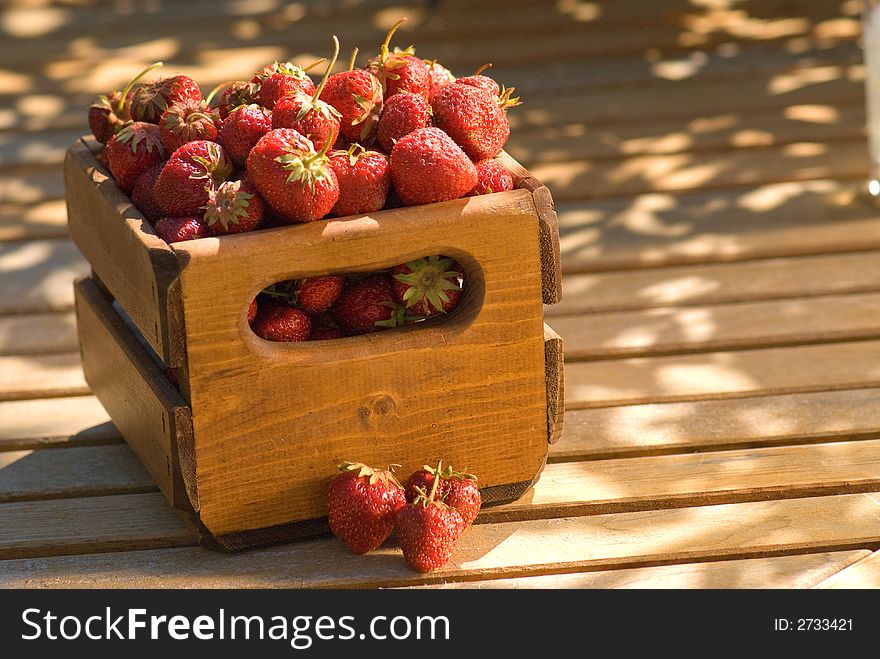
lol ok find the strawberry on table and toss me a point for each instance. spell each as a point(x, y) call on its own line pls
point(296, 182)
point(400, 71)
point(492, 176)
point(364, 180)
point(182, 187)
point(278, 321)
point(133, 150)
point(233, 207)
point(403, 113)
point(368, 305)
point(151, 99)
point(242, 129)
point(178, 229)
point(427, 166)
point(457, 489)
point(314, 118)
point(362, 504)
point(428, 286)
point(357, 95)
point(473, 118)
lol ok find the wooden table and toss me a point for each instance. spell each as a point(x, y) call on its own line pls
point(722, 295)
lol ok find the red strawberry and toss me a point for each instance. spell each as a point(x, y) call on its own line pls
point(362, 504)
point(277, 321)
point(233, 207)
point(242, 129)
point(237, 94)
point(427, 530)
point(364, 179)
point(151, 99)
point(287, 68)
point(481, 82)
point(427, 166)
point(421, 479)
point(286, 79)
point(132, 151)
point(317, 294)
point(357, 95)
point(182, 188)
point(186, 121)
point(427, 286)
point(311, 116)
point(473, 118)
point(440, 77)
point(252, 311)
point(178, 229)
point(400, 71)
point(325, 332)
point(460, 491)
point(403, 113)
point(368, 306)
point(142, 194)
point(492, 176)
point(109, 113)
point(295, 181)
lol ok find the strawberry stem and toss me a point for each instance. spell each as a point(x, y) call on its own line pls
point(329, 68)
point(134, 80)
point(353, 57)
point(315, 63)
point(435, 483)
point(383, 49)
point(488, 65)
point(216, 89)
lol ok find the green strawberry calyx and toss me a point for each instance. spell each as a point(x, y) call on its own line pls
point(217, 167)
point(307, 167)
point(506, 99)
point(121, 103)
point(447, 473)
point(426, 499)
point(399, 316)
point(227, 204)
point(134, 136)
point(384, 476)
point(429, 278)
point(309, 104)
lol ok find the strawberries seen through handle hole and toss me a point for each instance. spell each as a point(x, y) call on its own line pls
point(334, 306)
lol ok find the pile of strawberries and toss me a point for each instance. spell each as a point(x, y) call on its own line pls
point(279, 150)
point(430, 512)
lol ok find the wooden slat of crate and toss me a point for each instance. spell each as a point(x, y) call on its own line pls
point(799, 571)
point(78, 420)
point(71, 472)
point(718, 424)
point(503, 550)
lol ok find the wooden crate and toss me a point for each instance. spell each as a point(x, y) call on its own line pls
point(249, 442)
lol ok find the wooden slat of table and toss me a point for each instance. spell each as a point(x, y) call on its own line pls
point(863, 574)
point(503, 550)
point(71, 472)
point(37, 275)
point(44, 333)
point(708, 425)
point(41, 376)
point(800, 571)
point(74, 421)
point(722, 374)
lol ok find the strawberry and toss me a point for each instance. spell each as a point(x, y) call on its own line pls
point(233, 207)
point(151, 99)
point(295, 181)
point(367, 306)
point(287, 68)
point(427, 286)
point(142, 194)
point(427, 530)
point(252, 311)
point(188, 120)
point(428, 166)
point(242, 129)
point(400, 71)
point(317, 294)
point(492, 176)
point(460, 491)
point(357, 96)
point(178, 229)
point(421, 479)
point(182, 188)
point(285, 78)
point(133, 150)
point(110, 112)
point(311, 116)
point(473, 118)
point(277, 321)
point(403, 113)
point(362, 504)
point(440, 77)
point(364, 179)
point(481, 82)
point(325, 332)
point(236, 94)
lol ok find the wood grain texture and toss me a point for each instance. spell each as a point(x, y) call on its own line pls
point(37, 275)
point(864, 573)
point(78, 420)
point(134, 264)
point(144, 405)
point(71, 472)
point(801, 571)
point(31, 334)
point(555, 367)
point(507, 550)
point(718, 424)
point(823, 367)
point(769, 279)
point(720, 327)
point(348, 395)
point(89, 524)
point(41, 376)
